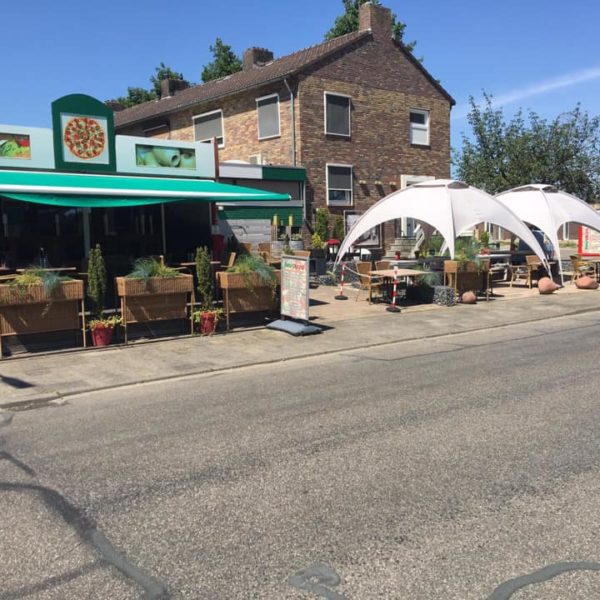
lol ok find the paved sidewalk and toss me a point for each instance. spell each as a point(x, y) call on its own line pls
point(36, 378)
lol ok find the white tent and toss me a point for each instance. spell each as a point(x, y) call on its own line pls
point(451, 207)
point(547, 208)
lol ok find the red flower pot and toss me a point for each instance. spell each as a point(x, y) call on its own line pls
point(102, 336)
point(208, 323)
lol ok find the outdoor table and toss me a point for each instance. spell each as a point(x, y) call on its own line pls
point(388, 274)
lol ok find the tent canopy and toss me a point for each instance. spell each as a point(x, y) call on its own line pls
point(547, 208)
point(449, 206)
point(105, 191)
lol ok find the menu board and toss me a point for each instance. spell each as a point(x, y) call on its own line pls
point(589, 241)
point(294, 286)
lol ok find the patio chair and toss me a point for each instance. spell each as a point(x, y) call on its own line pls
point(382, 265)
point(580, 268)
point(230, 261)
point(367, 281)
point(526, 272)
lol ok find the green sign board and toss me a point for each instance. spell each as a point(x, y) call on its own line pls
point(84, 134)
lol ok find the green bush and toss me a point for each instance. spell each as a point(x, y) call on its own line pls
point(96, 287)
point(205, 279)
point(322, 223)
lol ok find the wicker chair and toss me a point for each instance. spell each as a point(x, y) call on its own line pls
point(230, 260)
point(382, 265)
point(580, 268)
point(526, 272)
point(367, 282)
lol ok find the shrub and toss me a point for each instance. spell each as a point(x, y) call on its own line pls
point(96, 287)
point(205, 279)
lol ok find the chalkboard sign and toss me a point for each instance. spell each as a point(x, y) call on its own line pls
point(294, 286)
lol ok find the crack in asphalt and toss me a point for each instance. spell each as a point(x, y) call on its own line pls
point(91, 535)
point(505, 590)
point(317, 579)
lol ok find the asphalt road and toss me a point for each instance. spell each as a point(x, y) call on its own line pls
point(465, 467)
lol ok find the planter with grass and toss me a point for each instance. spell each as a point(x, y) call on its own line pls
point(154, 292)
point(249, 286)
point(38, 301)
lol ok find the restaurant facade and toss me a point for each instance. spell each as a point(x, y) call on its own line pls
point(67, 188)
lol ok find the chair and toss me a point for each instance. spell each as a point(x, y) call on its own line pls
point(450, 273)
point(580, 268)
point(382, 265)
point(303, 253)
point(230, 260)
point(247, 247)
point(527, 271)
point(367, 282)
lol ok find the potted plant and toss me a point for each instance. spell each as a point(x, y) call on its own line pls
point(154, 292)
point(484, 240)
point(317, 254)
point(39, 301)
point(424, 287)
point(101, 329)
point(207, 316)
point(296, 241)
point(250, 285)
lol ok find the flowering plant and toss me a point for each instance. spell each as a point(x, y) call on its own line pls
point(107, 323)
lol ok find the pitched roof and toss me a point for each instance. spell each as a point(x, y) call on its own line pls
point(250, 78)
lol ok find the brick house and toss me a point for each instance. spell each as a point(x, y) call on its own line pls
point(359, 113)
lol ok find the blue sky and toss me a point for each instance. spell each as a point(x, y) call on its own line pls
point(542, 55)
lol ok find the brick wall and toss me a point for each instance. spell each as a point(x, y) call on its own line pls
point(383, 85)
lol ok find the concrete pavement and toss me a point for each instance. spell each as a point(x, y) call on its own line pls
point(40, 378)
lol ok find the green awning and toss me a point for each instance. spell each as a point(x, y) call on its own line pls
point(105, 191)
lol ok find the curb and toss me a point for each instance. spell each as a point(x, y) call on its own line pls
point(48, 398)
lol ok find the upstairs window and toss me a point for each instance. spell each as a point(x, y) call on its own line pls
point(339, 185)
point(419, 127)
point(268, 116)
point(337, 114)
point(209, 125)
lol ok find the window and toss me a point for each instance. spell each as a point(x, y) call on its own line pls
point(337, 114)
point(208, 126)
point(339, 185)
point(268, 116)
point(419, 127)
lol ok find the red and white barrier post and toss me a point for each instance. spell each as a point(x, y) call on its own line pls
point(392, 307)
point(341, 295)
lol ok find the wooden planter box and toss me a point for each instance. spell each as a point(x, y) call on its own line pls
point(32, 310)
point(157, 299)
point(243, 294)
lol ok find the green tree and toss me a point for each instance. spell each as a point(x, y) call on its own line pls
point(225, 62)
point(322, 223)
point(501, 154)
point(96, 287)
point(138, 95)
point(162, 72)
point(338, 228)
point(205, 279)
point(348, 22)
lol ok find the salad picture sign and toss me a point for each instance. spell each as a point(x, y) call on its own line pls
point(83, 134)
point(14, 145)
point(26, 147)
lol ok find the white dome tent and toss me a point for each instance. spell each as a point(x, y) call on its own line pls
point(547, 208)
point(449, 206)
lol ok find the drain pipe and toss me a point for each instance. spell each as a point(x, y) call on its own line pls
point(293, 119)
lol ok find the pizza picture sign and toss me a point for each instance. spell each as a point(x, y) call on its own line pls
point(84, 139)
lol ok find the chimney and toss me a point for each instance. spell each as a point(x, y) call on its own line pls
point(169, 87)
point(114, 105)
point(377, 19)
point(256, 57)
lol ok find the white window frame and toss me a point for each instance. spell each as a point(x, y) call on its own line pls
point(412, 126)
point(210, 112)
point(278, 134)
point(351, 167)
point(344, 135)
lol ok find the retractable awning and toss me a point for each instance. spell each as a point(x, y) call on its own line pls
point(108, 191)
